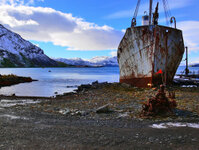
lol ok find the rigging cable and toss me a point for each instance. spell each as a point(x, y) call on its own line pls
point(133, 22)
point(166, 11)
point(136, 10)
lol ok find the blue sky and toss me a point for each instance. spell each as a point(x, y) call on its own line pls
point(89, 28)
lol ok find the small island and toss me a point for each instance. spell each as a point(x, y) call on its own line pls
point(8, 80)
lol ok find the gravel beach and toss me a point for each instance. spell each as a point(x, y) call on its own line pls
point(98, 116)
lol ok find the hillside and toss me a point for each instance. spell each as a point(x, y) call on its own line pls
point(18, 52)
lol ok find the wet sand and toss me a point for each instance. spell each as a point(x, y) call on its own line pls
point(70, 121)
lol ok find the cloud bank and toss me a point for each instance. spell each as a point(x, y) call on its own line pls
point(190, 33)
point(18, 2)
point(49, 25)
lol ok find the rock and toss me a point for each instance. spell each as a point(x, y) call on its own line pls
point(95, 83)
point(72, 86)
point(64, 111)
point(81, 113)
point(76, 112)
point(125, 85)
point(103, 109)
point(83, 87)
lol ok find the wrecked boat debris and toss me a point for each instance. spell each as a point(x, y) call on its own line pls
point(159, 104)
point(149, 49)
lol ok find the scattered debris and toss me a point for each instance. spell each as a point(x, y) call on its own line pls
point(123, 115)
point(125, 85)
point(104, 109)
point(159, 104)
point(73, 112)
point(64, 111)
point(186, 82)
point(93, 85)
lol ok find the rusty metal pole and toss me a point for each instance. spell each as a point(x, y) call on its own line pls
point(150, 11)
point(187, 69)
point(173, 19)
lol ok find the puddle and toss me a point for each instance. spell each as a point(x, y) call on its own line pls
point(178, 124)
point(10, 103)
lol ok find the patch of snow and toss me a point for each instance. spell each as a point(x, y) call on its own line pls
point(177, 124)
point(13, 43)
point(176, 77)
point(189, 86)
point(159, 126)
point(123, 115)
point(96, 61)
point(12, 117)
point(11, 103)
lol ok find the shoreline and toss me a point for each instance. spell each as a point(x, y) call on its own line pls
point(123, 91)
point(74, 121)
point(178, 83)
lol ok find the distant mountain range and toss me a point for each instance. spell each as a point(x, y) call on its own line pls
point(195, 65)
point(17, 52)
point(94, 62)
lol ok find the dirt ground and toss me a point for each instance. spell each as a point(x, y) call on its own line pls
point(70, 121)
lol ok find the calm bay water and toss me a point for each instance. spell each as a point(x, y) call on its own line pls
point(60, 80)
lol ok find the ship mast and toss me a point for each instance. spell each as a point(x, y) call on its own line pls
point(150, 11)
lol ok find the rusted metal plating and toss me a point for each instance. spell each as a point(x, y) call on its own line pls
point(144, 50)
point(159, 104)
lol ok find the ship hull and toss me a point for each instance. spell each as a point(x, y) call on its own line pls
point(150, 55)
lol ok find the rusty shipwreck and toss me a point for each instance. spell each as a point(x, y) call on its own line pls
point(150, 54)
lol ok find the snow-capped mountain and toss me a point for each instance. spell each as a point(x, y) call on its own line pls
point(17, 52)
point(96, 61)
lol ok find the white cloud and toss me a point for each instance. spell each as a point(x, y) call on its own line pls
point(194, 62)
point(49, 25)
point(18, 2)
point(190, 33)
point(113, 53)
point(123, 30)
